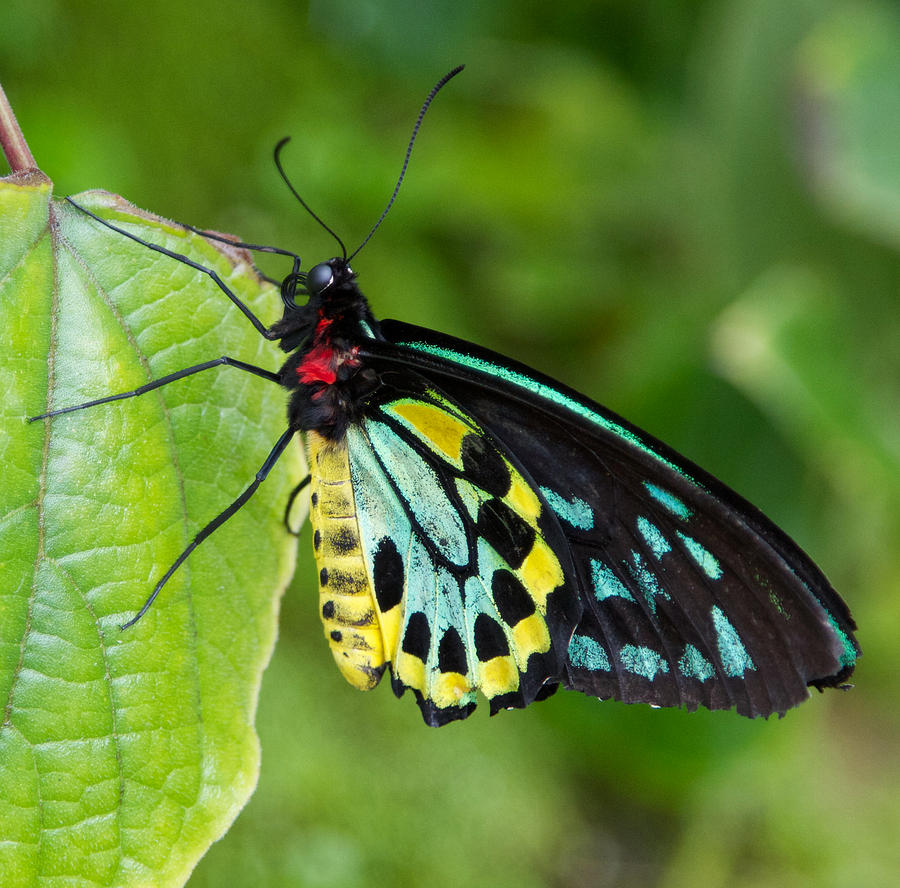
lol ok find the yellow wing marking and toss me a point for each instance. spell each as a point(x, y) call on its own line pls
point(523, 499)
point(449, 688)
point(541, 572)
point(530, 636)
point(498, 675)
point(434, 424)
point(410, 670)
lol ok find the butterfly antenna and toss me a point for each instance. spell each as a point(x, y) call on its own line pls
point(303, 203)
point(430, 98)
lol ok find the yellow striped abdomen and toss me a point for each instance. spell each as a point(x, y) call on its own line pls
point(345, 594)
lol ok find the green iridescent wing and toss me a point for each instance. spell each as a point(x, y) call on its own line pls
point(469, 571)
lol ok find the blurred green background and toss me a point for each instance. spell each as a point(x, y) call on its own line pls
point(688, 210)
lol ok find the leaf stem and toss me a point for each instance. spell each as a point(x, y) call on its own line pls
point(15, 148)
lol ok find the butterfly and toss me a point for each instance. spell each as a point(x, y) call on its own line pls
point(480, 528)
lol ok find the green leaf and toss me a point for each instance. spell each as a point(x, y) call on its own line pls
point(124, 754)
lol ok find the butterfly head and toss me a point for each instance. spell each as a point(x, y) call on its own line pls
point(326, 276)
point(331, 290)
point(322, 283)
point(331, 294)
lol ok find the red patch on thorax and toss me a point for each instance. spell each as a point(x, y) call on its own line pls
point(318, 366)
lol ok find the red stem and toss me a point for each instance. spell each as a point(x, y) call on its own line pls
point(15, 148)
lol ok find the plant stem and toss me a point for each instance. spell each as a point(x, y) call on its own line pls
point(15, 148)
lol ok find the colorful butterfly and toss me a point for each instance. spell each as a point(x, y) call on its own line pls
point(479, 527)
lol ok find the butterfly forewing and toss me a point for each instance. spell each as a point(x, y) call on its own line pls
point(690, 596)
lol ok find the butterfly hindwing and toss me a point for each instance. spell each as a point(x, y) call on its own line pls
point(467, 574)
point(690, 596)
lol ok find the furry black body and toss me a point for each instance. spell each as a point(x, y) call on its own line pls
point(324, 373)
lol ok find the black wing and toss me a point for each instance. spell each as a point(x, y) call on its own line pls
point(691, 595)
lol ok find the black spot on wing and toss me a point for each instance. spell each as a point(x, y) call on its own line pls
point(510, 700)
point(435, 716)
point(511, 597)
point(452, 653)
point(547, 690)
point(417, 637)
point(397, 686)
point(387, 575)
point(507, 532)
point(490, 641)
point(484, 466)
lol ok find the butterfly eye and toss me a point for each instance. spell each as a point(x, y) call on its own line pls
point(319, 278)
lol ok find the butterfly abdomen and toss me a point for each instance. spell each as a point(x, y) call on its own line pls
point(346, 596)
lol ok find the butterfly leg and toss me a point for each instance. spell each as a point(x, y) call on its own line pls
point(233, 242)
point(257, 323)
point(290, 503)
point(279, 448)
point(165, 380)
point(241, 245)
